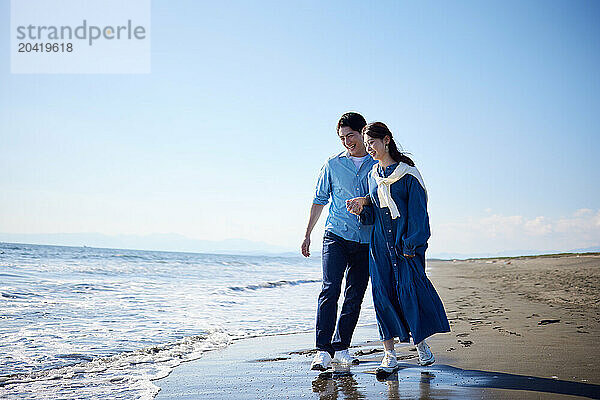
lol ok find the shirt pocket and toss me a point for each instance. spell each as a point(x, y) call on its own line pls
point(341, 194)
point(398, 192)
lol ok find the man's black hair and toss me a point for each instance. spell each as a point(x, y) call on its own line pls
point(353, 120)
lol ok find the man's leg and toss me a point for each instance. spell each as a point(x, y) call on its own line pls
point(335, 260)
point(357, 279)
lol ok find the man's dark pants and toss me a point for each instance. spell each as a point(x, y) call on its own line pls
point(341, 255)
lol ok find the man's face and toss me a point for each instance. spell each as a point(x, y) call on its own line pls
point(352, 141)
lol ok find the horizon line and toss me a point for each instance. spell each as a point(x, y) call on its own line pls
point(289, 253)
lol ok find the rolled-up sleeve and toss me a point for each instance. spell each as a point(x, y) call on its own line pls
point(323, 190)
point(367, 216)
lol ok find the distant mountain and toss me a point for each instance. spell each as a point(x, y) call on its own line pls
point(595, 249)
point(165, 242)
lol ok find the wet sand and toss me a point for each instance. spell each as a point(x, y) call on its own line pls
point(524, 328)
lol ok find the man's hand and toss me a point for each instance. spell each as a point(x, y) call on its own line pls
point(355, 205)
point(315, 212)
point(305, 247)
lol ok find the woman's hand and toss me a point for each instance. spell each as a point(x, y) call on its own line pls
point(355, 205)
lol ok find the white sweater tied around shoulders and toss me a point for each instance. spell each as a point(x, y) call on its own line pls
point(384, 184)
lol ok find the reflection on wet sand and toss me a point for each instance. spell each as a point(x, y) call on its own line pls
point(329, 385)
point(442, 382)
point(401, 388)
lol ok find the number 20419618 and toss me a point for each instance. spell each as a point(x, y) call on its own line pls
point(45, 47)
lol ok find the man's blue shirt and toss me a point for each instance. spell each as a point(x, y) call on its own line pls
point(340, 180)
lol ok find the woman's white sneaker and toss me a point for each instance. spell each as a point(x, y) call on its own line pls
point(425, 355)
point(321, 362)
point(389, 363)
point(344, 357)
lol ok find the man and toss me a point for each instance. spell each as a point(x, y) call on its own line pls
point(345, 243)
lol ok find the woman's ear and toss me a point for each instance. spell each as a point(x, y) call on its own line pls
point(386, 140)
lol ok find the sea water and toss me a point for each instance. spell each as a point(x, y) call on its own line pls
point(80, 322)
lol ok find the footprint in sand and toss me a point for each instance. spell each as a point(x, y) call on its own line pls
point(548, 321)
point(367, 352)
point(272, 359)
point(465, 343)
point(462, 334)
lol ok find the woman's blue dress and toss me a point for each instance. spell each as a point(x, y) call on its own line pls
point(404, 298)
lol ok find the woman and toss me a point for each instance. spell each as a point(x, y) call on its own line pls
point(405, 301)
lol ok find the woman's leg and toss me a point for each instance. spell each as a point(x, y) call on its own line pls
point(389, 363)
point(425, 355)
point(388, 345)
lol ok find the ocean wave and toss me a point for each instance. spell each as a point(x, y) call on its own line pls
point(62, 313)
point(18, 295)
point(75, 356)
point(271, 284)
point(8, 247)
point(130, 256)
point(88, 287)
point(7, 275)
point(121, 376)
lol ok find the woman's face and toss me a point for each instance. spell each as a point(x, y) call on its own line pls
point(376, 147)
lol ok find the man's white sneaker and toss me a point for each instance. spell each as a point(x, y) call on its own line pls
point(425, 355)
point(344, 357)
point(389, 363)
point(321, 362)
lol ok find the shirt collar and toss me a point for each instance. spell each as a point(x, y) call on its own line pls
point(347, 154)
point(390, 168)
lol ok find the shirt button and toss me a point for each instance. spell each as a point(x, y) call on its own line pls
point(390, 230)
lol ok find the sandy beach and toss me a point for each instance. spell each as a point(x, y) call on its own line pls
point(525, 327)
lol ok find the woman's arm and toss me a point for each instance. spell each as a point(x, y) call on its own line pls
point(417, 227)
point(367, 217)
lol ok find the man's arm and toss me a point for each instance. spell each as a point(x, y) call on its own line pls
point(315, 213)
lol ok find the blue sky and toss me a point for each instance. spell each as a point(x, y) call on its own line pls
point(497, 102)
